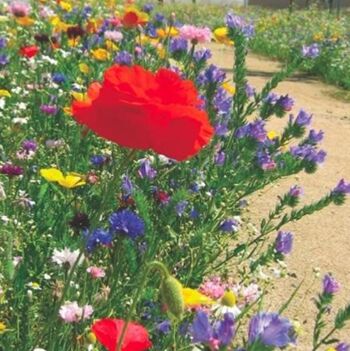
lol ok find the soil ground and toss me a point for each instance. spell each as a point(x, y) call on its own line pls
point(321, 240)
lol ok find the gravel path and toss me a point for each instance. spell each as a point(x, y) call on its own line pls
point(321, 240)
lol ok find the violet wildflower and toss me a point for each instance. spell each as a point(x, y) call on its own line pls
point(230, 225)
point(148, 8)
point(270, 329)
point(221, 129)
point(311, 51)
point(4, 60)
point(239, 25)
point(29, 145)
point(296, 191)
point(98, 160)
point(220, 157)
point(49, 109)
point(250, 91)
point(342, 188)
point(181, 207)
point(343, 347)
point(127, 185)
point(303, 118)
point(3, 42)
point(128, 223)
point(285, 102)
point(146, 170)
point(11, 170)
point(164, 327)
point(123, 58)
point(178, 45)
point(224, 330)
point(202, 55)
point(201, 329)
point(265, 161)
point(284, 242)
point(315, 137)
point(211, 75)
point(330, 285)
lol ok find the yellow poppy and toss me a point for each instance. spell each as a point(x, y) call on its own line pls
point(2, 327)
point(194, 298)
point(78, 96)
point(84, 68)
point(100, 54)
point(66, 6)
point(4, 93)
point(71, 180)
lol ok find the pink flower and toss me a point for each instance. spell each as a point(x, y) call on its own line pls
point(19, 9)
point(113, 35)
point(71, 312)
point(96, 272)
point(250, 293)
point(213, 287)
point(195, 34)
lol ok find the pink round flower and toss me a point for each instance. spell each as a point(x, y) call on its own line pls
point(113, 35)
point(19, 9)
point(195, 34)
point(96, 272)
point(71, 312)
point(213, 287)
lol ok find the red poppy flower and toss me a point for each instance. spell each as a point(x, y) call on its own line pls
point(142, 110)
point(108, 332)
point(29, 51)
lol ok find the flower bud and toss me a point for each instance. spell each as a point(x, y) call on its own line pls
point(171, 292)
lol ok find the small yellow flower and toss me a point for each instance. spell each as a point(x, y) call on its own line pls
point(111, 46)
point(66, 6)
point(167, 32)
point(221, 36)
point(272, 134)
point(71, 180)
point(100, 54)
point(229, 88)
point(3, 327)
point(161, 51)
point(68, 110)
point(84, 68)
point(91, 337)
point(229, 299)
point(194, 298)
point(331, 349)
point(4, 93)
point(73, 42)
point(78, 96)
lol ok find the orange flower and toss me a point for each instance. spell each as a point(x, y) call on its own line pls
point(133, 17)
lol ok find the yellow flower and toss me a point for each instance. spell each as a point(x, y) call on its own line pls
point(194, 298)
point(221, 36)
point(78, 96)
point(229, 88)
point(66, 6)
point(4, 93)
point(73, 42)
point(2, 327)
point(167, 32)
point(331, 349)
point(68, 110)
point(25, 21)
point(161, 51)
point(272, 134)
point(100, 54)
point(229, 299)
point(71, 180)
point(91, 337)
point(84, 68)
point(110, 45)
point(59, 26)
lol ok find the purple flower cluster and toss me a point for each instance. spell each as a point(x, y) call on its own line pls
point(308, 153)
point(255, 130)
point(146, 170)
point(284, 242)
point(212, 74)
point(230, 225)
point(330, 285)
point(49, 109)
point(96, 238)
point(342, 188)
point(240, 25)
point(178, 45)
point(265, 160)
point(11, 170)
point(202, 55)
point(123, 58)
point(218, 333)
point(311, 51)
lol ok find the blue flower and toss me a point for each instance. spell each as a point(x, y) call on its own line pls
point(225, 329)
point(97, 237)
point(58, 78)
point(123, 58)
point(98, 160)
point(201, 329)
point(330, 285)
point(164, 327)
point(271, 330)
point(178, 45)
point(229, 225)
point(127, 222)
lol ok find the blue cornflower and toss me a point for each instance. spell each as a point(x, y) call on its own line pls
point(97, 237)
point(98, 160)
point(127, 222)
point(58, 78)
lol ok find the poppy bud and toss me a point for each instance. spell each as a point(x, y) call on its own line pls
point(171, 291)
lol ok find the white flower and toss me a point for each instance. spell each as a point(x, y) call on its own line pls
point(66, 256)
point(19, 120)
point(2, 192)
point(2, 103)
point(221, 310)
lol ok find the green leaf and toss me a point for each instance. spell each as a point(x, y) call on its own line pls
point(342, 317)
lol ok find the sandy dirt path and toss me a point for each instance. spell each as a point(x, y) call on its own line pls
point(321, 240)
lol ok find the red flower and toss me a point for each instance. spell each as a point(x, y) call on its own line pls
point(108, 332)
point(143, 110)
point(29, 51)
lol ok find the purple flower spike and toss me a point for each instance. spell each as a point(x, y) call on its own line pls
point(225, 329)
point(284, 242)
point(296, 191)
point(310, 51)
point(303, 118)
point(201, 330)
point(330, 285)
point(342, 188)
point(146, 170)
point(343, 347)
point(271, 330)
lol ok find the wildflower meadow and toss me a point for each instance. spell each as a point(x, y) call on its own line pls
point(127, 158)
